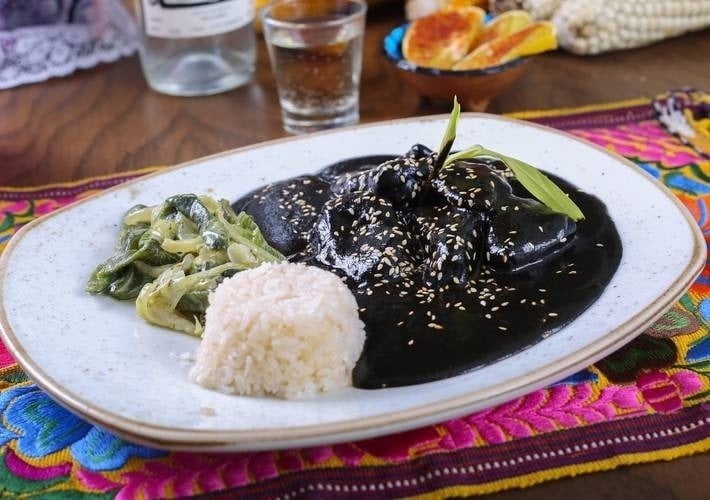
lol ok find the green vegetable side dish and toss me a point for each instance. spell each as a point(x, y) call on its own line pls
point(170, 256)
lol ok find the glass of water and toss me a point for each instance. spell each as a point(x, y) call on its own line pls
point(315, 47)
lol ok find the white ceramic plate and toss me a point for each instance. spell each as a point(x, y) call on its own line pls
point(96, 357)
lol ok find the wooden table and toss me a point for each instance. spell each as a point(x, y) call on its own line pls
point(106, 120)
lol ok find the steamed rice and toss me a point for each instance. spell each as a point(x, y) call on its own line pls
point(286, 330)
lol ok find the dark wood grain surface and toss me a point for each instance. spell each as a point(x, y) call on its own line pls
point(106, 120)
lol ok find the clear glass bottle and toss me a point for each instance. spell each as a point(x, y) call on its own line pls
point(197, 47)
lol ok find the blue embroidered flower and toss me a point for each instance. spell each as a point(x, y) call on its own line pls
point(7, 397)
point(650, 169)
point(100, 450)
point(700, 351)
point(41, 427)
point(583, 376)
point(704, 310)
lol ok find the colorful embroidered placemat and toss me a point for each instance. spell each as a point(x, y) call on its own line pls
point(648, 401)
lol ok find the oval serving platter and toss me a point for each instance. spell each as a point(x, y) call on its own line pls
point(96, 357)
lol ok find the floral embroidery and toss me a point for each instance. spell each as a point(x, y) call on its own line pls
point(664, 392)
point(677, 321)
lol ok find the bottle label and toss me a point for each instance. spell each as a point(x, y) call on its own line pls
point(195, 18)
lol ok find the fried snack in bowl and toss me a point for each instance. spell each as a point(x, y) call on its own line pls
point(505, 24)
point(533, 39)
point(441, 39)
point(474, 88)
point(430, 57)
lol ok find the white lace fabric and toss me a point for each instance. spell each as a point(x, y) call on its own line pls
point(37, 53)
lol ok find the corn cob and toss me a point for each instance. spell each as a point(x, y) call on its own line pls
point(539, 9)
point(596, 26)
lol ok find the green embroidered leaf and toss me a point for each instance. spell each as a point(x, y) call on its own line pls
point(63, 494)
point(642, 353)
point(687, 302)
point(699, 397)
point(7, 221)
point(675, 322)
point(699, 367)
point(11, 484)
point(13, 376)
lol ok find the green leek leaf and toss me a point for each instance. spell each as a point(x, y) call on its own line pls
point(537, 183)
point(447, 141)
point(450, 134)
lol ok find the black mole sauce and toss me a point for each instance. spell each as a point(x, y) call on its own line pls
point(449, 273)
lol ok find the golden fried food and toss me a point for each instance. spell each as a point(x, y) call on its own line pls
point(441, 39)
point(506, 24)
point(536, 38)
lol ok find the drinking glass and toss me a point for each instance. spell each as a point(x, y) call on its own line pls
point(315, 48)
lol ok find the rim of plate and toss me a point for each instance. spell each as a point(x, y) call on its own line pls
point(205, 439)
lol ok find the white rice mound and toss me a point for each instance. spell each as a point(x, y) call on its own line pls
point(285, 330)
